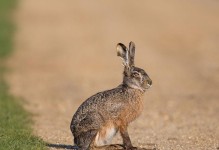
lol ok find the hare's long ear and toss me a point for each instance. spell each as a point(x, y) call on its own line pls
point(123, 53)
point(131, 54)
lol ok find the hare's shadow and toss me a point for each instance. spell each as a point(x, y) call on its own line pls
point(61, 146)
point(64, 146)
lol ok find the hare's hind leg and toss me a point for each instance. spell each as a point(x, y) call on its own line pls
point(105, 134)
point(84, 140)
point(85, 130)
point(104, 137)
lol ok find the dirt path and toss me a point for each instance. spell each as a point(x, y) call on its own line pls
point(65, 52)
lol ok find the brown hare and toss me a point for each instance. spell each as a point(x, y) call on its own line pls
point(102, 115)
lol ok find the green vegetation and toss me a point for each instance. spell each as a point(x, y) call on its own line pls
point(15, 122)
point(15, 131)
point(6, 27)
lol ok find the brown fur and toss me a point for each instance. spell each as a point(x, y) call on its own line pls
point(99, 118)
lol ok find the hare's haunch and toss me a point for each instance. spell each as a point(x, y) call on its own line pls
point(102, 115)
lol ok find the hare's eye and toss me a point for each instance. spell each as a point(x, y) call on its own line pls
point(135, 74)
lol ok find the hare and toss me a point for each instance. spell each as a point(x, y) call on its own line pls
point(102, 115)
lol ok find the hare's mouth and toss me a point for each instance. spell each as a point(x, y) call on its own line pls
point(144, 89)
point(147, 85)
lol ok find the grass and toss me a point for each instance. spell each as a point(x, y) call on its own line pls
point(15, 122)
point(6, 27)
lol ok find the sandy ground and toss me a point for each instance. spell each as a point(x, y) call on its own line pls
point(65, 52)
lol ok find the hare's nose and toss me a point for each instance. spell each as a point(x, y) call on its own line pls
point(150, 82)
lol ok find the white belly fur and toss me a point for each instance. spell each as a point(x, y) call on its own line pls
point(105, 136)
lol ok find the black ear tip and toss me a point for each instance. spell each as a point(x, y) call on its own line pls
point(131, 44)
point(121, 45)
